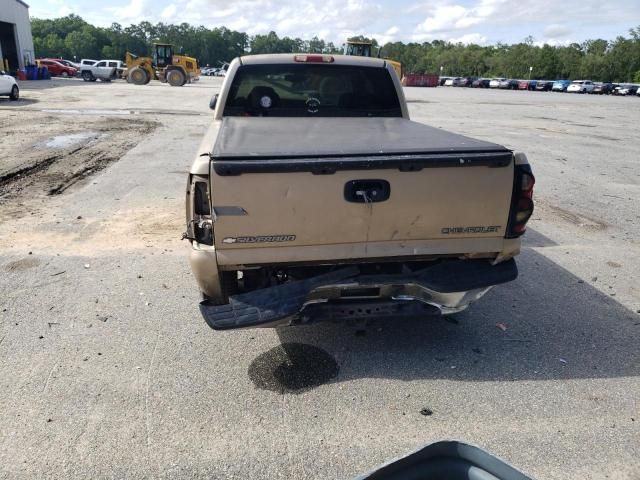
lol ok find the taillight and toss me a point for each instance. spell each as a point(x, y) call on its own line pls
point(201, 199)
point(313, 58)
point(521, 201)
point(199, 221)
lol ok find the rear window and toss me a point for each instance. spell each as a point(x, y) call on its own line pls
point(312, 90)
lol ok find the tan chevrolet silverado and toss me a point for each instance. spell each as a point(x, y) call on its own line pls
point(314, 197)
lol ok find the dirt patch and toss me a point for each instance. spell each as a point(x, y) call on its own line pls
point(22, 264)
point(579, 220)
point(124, 230)
point(45, 155)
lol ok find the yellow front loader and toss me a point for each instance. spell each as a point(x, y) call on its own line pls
point(164, 66)
point(366, 49)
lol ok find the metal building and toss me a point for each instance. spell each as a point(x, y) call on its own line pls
point(16, 42)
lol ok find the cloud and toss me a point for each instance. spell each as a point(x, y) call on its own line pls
point(168, 12)
point(132, 12)
point(52, 8)
point(554, 43)
point(479, 21)
point(469, 38)
point(556, 30)
point(447, 18)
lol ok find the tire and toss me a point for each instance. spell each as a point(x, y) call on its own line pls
point(87, 76)
point(64, 74)
point(138, 76)
point(15, 93)
point(176, 78)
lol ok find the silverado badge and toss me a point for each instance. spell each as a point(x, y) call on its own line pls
point(260, 239)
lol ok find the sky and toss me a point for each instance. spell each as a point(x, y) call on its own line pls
point(483, 22)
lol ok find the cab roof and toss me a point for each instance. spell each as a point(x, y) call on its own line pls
point(285, 58)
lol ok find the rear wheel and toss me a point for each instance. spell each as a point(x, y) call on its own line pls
point(176, 78)
point(87, 76)
point(15, 93)
point(138, 76)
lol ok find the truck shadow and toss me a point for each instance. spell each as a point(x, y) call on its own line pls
point(548, 324)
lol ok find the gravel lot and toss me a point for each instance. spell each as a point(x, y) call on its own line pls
point(108, 371)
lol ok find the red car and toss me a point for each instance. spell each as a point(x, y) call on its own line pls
point(56, 68)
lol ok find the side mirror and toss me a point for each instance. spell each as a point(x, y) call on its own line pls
point(213, 101)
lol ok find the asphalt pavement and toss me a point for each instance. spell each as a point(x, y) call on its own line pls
point(107, 369)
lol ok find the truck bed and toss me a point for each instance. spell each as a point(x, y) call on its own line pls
point(287, 137)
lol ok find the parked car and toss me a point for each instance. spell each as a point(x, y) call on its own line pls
point(443, 80)
point(495, 83)
point(601, 88)
point(625, 89)
point(544, 85)
point(560, 85)
point(9, 86)
point(527, 84)
point(450, 82)
point(481, 83)
point(57, 69)
point(119, 65)
point(68, 63)
point(465, 82)
point(580, 86)
point(509, 84)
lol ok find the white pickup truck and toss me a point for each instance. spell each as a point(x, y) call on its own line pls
point(103, 70)
point(313, 196)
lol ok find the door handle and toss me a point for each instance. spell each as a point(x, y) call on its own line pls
point(367, 191)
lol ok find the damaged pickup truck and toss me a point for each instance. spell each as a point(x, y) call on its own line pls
point(314, 197)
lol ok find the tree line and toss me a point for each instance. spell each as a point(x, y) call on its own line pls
point(615, 60)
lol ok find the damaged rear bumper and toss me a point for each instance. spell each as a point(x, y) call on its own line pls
point(344, 294)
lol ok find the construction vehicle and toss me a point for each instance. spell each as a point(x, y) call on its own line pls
point(365, 48)
point(176, 70)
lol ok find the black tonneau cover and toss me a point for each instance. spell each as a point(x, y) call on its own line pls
point(322, 145)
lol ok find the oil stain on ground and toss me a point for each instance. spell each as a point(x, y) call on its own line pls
point(292, 368)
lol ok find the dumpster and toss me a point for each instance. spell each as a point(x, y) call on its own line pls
point(421, 80)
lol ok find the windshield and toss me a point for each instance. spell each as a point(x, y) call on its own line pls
point(312, 90)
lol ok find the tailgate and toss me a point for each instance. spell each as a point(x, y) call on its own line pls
point(347, 188)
